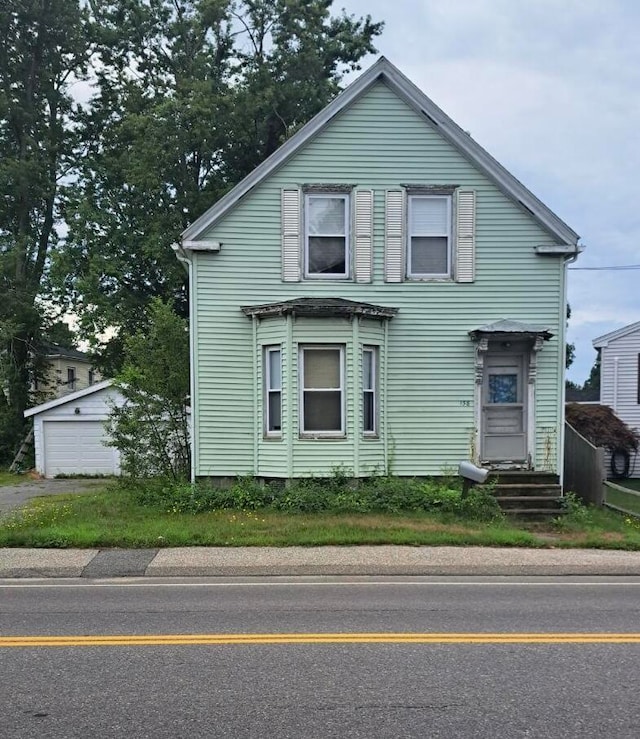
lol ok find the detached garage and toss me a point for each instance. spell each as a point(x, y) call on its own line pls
point(69, 433)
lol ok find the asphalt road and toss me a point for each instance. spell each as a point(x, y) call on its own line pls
point(374, 688)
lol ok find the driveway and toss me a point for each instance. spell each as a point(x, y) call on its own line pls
point(14, 496)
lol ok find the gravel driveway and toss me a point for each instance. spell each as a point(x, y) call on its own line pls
point(14, 496)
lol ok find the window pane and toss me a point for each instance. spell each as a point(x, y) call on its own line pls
point(326, 215)
point(275, 370)
point(367, 370)
point(327, 255)
point(369, 412)
point(323, 411)
point(321, 368)
point(503, 388)
point(429, 216)
point(429, 255)
point(275, 412)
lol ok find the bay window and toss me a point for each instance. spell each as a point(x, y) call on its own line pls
point(322, 390)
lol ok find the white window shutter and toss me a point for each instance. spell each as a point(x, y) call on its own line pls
point(466, 236)
point(291, 228)
point(363, 235)
point(394, 236)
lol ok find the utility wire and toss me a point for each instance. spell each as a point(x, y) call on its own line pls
point(614, 267)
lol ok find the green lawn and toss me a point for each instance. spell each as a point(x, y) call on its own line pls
point(113, 518)
point(628, 501)
point(633, 483)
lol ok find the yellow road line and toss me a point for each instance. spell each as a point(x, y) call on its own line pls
point(116, 640)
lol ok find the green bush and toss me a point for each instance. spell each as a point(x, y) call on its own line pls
point(339, 494)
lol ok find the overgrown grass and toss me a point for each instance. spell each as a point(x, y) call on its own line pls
point(10, 478)
point(138, 517)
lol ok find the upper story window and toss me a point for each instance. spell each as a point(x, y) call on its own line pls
point(71, 378)
point(326, 238)
point(429, 237)
point(322, 390)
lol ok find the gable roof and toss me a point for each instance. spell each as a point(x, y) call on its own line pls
point(52, 351)
point(70, 398)
point(603, 340)
point(425, 107)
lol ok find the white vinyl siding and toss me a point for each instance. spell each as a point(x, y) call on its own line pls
point(620, 383)
point(326, 238)
point(322, 390)
point(429, 237)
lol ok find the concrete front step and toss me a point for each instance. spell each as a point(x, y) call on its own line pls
point(524, 490)
point(512, 502)
point(534, 514)
point(527, 477)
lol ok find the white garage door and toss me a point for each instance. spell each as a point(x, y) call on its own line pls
point(76, 448)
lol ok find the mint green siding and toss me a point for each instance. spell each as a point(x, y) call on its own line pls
point(426, 356)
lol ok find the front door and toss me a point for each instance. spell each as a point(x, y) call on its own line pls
point(504, 411)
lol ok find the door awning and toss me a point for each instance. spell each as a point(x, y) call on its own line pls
point(507, 328)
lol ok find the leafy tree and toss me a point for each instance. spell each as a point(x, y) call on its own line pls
point(190, 96)
point(570, 350)
point(44, 48)
point(151, 428)
point(591, 386)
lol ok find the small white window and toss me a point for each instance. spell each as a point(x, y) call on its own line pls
point(322, 390)
point(326, 241)
point(429, 247)
point(273, 391)
point(369, 390)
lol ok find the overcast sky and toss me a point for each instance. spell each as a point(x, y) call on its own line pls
point(551, 88)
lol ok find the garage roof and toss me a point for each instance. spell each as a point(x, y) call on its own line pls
point(72, 397)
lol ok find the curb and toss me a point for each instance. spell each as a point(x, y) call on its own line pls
point(314, 561)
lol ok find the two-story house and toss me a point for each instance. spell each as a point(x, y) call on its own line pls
point(64, 371)
point(381, 295)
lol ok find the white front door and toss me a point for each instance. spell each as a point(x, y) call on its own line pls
point(504, 405)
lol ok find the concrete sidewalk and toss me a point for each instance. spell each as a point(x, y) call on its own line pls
point(330, 560)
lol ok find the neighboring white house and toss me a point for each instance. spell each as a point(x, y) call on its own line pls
point(620, 377)
point(69, 433)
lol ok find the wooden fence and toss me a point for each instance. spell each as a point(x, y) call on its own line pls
point(621, 499)
point(583, 467)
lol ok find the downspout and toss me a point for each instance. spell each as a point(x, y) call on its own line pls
point(256, 391)
point(616, 364)
point(384, 409)
point(563, 321)
point(182, 257)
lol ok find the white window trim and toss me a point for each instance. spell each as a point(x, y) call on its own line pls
point(301, 391)
point(374, 351)
point(449, 236)
point(268, 390)
point(347, 229)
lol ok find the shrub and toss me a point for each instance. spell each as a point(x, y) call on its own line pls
point(600, 425)
point(338, 494)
